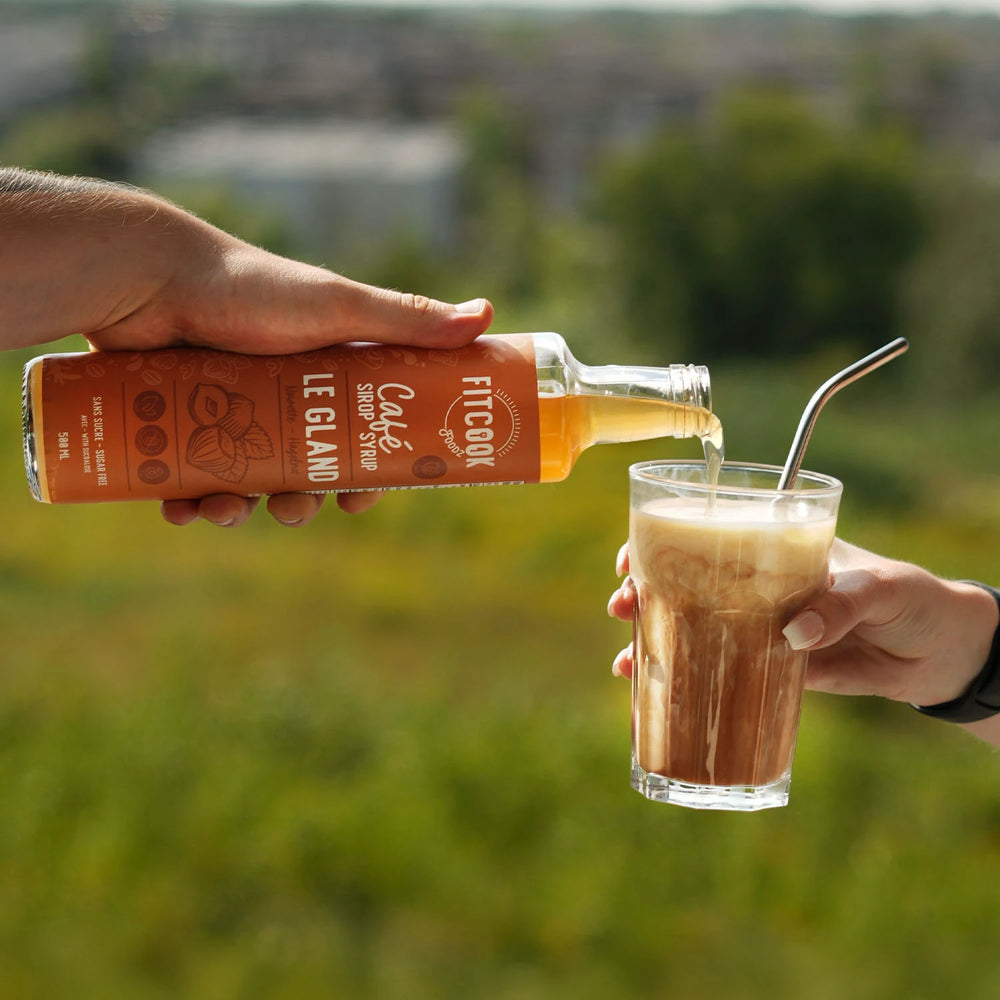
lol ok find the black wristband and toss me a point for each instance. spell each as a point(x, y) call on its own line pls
point(982, 697)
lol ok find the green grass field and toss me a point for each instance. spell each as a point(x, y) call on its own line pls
point(384, 757)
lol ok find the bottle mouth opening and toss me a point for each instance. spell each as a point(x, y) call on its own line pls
point(704, 386)
point(691, 386)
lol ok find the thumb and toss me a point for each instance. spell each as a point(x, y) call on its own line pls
point(390, 317)
point(853, 598)
point(273, 305)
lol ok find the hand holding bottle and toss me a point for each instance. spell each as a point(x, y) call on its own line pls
point(130, 271)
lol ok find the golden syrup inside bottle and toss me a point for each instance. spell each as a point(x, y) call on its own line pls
point(570, 423)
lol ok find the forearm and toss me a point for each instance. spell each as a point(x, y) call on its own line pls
point(78, 256)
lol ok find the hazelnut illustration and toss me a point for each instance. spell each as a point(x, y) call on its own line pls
point(228, 437)
point(207, 403)
point(211, 449)
point(238, 416)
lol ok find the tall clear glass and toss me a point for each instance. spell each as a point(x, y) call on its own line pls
point(719, 569)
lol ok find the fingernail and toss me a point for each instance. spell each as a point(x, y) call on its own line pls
point(471, 307)
point(804, 631)
point(611, 601)
point(620, 559)
point(616, 666)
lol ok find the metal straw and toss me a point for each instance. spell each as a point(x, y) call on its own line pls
point(850, 374)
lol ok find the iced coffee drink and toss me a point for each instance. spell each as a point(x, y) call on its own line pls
point(719, 571)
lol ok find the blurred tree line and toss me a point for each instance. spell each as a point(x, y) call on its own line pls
point(764, 228)
point(764, 231)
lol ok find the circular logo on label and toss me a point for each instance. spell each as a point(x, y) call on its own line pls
point(153, 472)
point(149, 405)
point(429, 467)
point(151, 440)
point(479, 429)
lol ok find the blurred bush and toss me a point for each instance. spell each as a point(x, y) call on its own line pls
point(765, 230)
point(952, 300)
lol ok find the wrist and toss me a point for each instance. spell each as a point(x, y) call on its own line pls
point(171, 265)
point(976, 693)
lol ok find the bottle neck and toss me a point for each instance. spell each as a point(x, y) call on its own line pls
point(633, 403)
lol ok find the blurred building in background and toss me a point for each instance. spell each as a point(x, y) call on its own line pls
point(337, 184)
point(582, 82)
point(576, 91)
point(41, 60)
point(578, 84)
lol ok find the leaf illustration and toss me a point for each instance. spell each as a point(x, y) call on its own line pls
point(257, 442)
point(236, 472)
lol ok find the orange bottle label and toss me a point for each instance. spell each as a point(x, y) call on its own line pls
point(191, 422)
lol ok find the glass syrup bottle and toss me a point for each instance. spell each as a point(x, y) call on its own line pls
point(188, 422)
